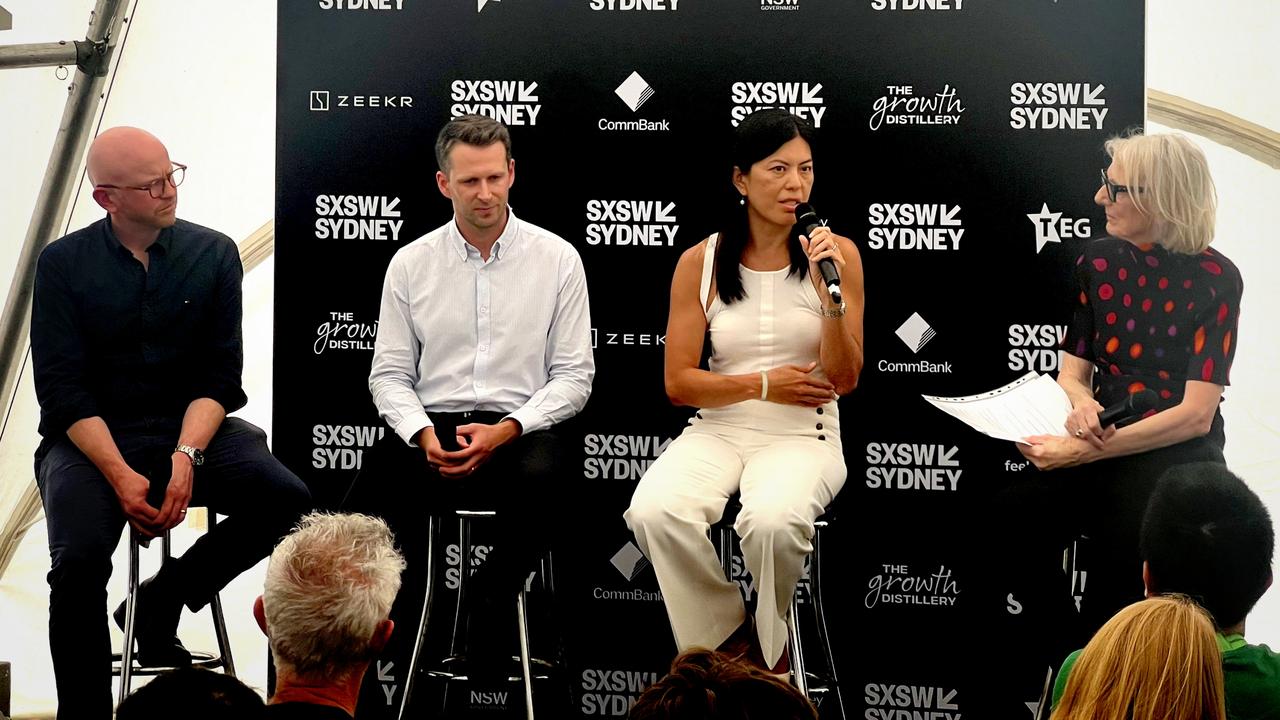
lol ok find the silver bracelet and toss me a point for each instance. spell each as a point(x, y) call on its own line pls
point(764, 385)
point(834, 313)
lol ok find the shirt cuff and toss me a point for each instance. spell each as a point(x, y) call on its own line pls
point(409, 427)
point(530, 420)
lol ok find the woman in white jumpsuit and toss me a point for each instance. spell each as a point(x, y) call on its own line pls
point(767, 427)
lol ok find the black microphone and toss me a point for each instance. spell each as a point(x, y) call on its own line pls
point(1131, 407)
point(808, 219)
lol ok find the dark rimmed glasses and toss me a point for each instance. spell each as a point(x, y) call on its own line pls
point(155, 188)
point(1113, 189)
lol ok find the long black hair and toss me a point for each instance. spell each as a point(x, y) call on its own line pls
point(757, 137)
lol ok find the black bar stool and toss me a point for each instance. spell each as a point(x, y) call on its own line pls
point(811, 685)
point(530, 668)
point(123, 664)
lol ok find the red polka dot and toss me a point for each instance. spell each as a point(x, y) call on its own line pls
point(1127, 299)
point(1168, 306)
point(1206, 373)
point(1105, 291)
point(1146, 305)
point(1123, 273)
point(1100, 264)
point(1149, 413)
point(1166, 394)
point(1113, 344)
point(1153, 261)
point(1191, 306)
point(1211, 267)
point(1163, 283)
point(1135, 351)
point(1142, 281)
point(1186, 284)
point(1162, 374)
point(1222, 313)
point(1110, 318)
point(1114, 370)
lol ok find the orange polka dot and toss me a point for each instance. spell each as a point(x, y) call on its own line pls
point(1113, 344)
point(1136, 388)
point(1084, 299)
point(1168, 306)
point(1162, 374)
point(1135, 350)
point(1226, 343)
point(1199, 339)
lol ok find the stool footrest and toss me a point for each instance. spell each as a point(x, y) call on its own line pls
point(199, 659)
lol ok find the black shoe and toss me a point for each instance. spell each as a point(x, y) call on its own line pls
point(155, 628)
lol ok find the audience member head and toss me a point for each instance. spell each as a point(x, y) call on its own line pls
point(1157, 659)
point(1207, 535)
point(329, 588)
point(706, 685)
point(193, 694)
point(134, 180)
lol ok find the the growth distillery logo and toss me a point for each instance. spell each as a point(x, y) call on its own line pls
point(342, 331)
point(634, 92)
point(341, 447)
point(510, 102)
point(620, 457)
point(325, 100)
point(903, 105)
point(361, 4)
point(1054, 227)
point(649, 5)
point(917, 4)
point(1057, 106)
point(1035, 347)
point(914, 226)
point(910, 702)
point(915, 333)
point(801, 99)
point(632, 223)
point(358, 217)
point(900, 585)
point(610, 692)
point(931, 467)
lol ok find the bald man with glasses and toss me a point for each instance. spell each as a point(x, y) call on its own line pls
point(137, 355)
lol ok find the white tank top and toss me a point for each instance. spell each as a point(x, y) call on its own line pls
point(779, 322)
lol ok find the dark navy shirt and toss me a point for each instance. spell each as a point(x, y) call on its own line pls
point(134, 345)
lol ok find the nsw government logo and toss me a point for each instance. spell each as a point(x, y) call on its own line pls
point(324, 101)
point(634, 92)
point(341, 447)
point(910, 702)
point(510, 102)
point(620, 457)
point(631, 223)
point(343, 332)
point(898, 585)
point(358, 217)
point(1054, 227)
point(914, 226)
point(801, 99)
point(1057, 106)
point(1035, 347)
point(913, 466)
point(900, 105)
point(779, 4)
point(610, 692)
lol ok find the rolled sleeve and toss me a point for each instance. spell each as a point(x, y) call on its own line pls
point(394, 370)
point(57, 349)
point(222, 380)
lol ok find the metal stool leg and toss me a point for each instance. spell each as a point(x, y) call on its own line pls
point(526, 674)
point(796, 649)
point(219, 620)
point(726, 551)
point(432, 530)
point(824, 637)
point(130, 612)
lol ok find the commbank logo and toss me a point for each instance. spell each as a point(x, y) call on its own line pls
point(358, 217)
point(343, 332)
point(361, 4)
point(913, 466)
point(510, 102)
point(341, 447)
point(914, 226)
point(801, 99)
point(1057, 106)
point(634, 91)
point(901, 106)
point(897, 585)
point(1053, 227)
point(629, 561)
point(907, 702)
point(915, 332)
point(1035, 347)
point(636, 223)
point(635, 4)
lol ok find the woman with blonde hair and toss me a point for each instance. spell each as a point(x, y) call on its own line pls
point(1155, 660)
point(1156, 312)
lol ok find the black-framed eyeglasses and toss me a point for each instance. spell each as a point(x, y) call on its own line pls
point(155, 188)
point(1113, 189)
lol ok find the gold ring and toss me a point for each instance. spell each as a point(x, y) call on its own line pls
point(1079, 432)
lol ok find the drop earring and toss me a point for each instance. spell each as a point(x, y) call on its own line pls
point(742, 199)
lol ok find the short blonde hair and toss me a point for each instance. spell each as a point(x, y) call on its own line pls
point(1177, 191)
point(1155, 660)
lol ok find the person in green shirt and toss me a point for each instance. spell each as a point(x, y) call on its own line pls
point(1207, 535)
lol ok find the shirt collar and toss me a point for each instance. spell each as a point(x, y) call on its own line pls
point(1227, 643)
point(502, 247)
point(162, 243)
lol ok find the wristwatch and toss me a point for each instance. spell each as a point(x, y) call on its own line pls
point(196, 455)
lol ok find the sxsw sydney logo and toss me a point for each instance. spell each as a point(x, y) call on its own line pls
point(801, 99)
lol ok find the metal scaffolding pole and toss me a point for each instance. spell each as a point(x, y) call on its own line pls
point(43, 54)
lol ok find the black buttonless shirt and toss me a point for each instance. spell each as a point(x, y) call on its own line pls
point(110, 338)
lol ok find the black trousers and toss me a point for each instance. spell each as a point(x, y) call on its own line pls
point(240, 478)
point(528, 482)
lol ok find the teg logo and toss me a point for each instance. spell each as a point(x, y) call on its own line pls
point(910, 702)
point(1053, 227)
point(1035, 347)
point(611, 692)
point(1057, 106)
point(914, 226)
point(510, 102)
point(801, 99)
point(343, 332)
point(913, 466)
point(633, 223)
point(635, 4)
point(341, 447)
point(358, 217)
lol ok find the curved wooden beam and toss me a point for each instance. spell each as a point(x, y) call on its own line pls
point(1258, 142)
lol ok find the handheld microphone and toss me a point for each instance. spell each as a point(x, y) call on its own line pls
point(808, 219)
point(1131, 407)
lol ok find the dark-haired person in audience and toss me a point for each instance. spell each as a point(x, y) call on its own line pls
point(707, 685)
point(325, 610)
point(199, 694)
point(1207, 535)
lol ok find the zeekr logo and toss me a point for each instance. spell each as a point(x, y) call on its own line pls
point(319, 101)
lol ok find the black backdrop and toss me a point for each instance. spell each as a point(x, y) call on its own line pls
point(944, 127)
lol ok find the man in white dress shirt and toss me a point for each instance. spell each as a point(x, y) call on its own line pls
point(483, 349)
